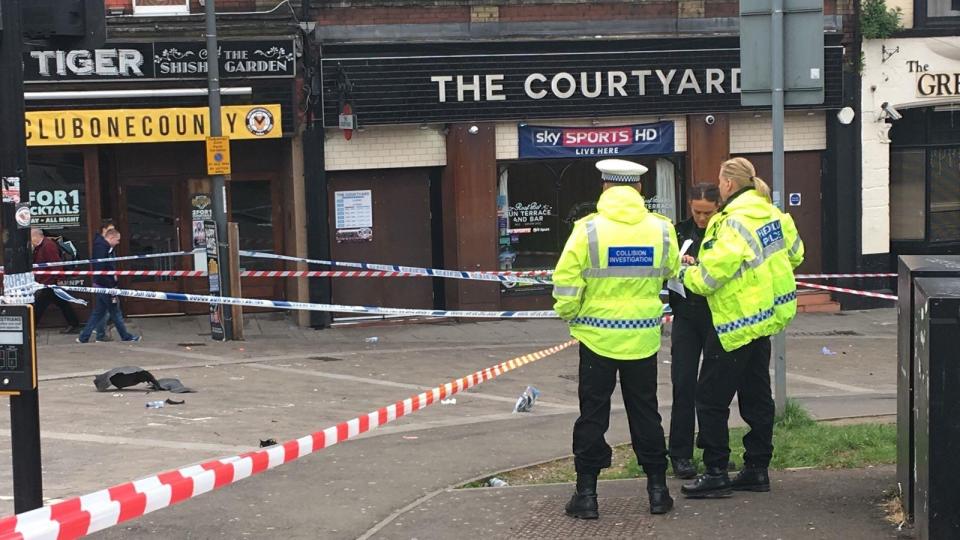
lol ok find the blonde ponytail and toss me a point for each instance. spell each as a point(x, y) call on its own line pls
point(743, 174)
point(762, 188)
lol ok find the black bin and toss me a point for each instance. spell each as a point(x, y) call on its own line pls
point(937, 408)
point(910, 268)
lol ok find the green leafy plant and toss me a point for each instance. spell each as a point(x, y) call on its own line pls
point(877, 21)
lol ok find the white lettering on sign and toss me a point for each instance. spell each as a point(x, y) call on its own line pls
point(125, 62)
point(589, 84)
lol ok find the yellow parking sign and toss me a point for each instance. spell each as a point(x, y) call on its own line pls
point(218, 155)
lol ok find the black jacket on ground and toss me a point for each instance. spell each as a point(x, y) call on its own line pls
point(693, 304)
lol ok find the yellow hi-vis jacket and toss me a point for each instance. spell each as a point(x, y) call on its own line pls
point(608, 280)
point(746, 269)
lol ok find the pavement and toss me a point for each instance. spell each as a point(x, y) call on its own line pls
point(284, 382)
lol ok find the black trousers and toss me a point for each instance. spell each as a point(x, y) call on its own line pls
point(688, 337)
point(42, 301)
point(638, 384)
point(746, 373)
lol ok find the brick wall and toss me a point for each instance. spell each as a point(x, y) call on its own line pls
point(385, 147)
point(802, 131)
point(506, 11)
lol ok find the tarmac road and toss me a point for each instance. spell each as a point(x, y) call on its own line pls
point(285, 382)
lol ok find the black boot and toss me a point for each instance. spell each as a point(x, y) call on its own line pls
point(684, 469)
point(751, 478)
point(660, 500)
point(583, 504)
point(712, 484)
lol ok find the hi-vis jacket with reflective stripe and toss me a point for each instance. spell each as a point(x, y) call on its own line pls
point(607, 283)
point(746, 269)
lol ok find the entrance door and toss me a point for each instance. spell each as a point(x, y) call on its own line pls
point(401, 234)
point(151, 220)
point(802, 173)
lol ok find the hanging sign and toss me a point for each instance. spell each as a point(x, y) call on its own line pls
point(547, 142)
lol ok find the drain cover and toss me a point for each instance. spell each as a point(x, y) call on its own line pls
point(620, 517)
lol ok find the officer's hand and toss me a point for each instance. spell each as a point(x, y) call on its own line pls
point(688, 260)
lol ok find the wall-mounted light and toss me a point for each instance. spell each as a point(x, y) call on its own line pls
point(473, 130)
point(595, 121)
point(845, 115)
point(523, 123)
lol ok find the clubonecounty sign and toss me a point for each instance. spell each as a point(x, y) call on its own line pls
point(544, 142)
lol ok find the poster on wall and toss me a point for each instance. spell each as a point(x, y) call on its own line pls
point(213, 274)
point(55, 208)
point(353, 216)
point(549, 142)
point(353, 209)
point(201, 210)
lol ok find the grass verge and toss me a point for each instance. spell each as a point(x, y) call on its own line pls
point(799, 441)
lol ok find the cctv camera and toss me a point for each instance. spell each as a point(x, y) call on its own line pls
point(710, 119)
point(890, 112)
point(474, 130)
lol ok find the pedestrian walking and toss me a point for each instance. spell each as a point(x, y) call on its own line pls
point(690, 329)
point(105, 250)
point(607, 287)
point(105, 305)
point(745, 270)
point(45, 250)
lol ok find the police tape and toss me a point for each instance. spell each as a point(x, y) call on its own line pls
point(87, 514)
point(429, 272)
point(115, 259)
point(283, 304)
point(842, 276)
point(847, 291)
point(244, 273)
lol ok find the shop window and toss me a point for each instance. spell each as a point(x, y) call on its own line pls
point(936, 13)
point(57, 196)
point(251, 207)
point(944, 173)
point(539, 201)
point(907, 194)
point(152, 228)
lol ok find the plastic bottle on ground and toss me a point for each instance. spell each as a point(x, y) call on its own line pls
point(155, 404)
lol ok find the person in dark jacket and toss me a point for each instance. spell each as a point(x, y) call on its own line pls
point(691, 326)
point(45, 250)
point(104, 331)
point(105, 305)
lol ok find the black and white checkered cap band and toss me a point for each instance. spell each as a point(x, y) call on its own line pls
point(620, 178)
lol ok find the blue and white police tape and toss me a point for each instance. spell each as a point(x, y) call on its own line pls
point(115, 259)
point(283, 304)
point(435, 272)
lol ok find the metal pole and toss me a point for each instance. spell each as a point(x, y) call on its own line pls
point(776, 49)
point(17, 255)
point(219, 184)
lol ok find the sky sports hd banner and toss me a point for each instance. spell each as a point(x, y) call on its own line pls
point(548, 142)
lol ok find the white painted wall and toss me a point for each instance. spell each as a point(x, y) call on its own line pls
point(888, 77)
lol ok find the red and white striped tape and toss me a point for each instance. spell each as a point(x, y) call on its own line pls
point(842, 276)
point(847, 291)
point(102, 509)
point(257, 273)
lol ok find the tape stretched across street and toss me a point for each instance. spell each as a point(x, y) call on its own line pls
point(848, 291)
point(433, 272)
point(283, 304)
point(114, 259)
point(80, 516)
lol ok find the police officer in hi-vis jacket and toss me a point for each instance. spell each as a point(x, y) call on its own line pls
point(607, 287)
point(745, 270)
